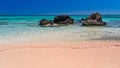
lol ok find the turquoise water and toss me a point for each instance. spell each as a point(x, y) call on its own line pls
point(25, 29)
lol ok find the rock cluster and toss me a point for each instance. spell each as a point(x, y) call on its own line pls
point(94, 19)
point(60, 20)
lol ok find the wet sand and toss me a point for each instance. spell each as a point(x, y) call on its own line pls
point(86, 54)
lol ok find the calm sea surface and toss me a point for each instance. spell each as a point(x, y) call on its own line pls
point(25, 29)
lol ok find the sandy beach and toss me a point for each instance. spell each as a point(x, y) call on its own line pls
point(59, 34)
point(86, 54)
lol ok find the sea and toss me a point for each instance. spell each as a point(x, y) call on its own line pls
point(25, 29)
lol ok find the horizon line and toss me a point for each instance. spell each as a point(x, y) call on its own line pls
point(52, 14)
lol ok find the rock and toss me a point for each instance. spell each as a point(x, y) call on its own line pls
point(47, 23)
point(63, 20)
point(44, 22)
point(94, 19)
point(69, 21)
point(82, 20)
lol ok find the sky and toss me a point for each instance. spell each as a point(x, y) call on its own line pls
point(53, 7)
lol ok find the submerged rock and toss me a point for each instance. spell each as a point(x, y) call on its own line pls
point(63, 20)
point(94, 19)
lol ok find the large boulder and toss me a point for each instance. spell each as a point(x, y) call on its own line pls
point(63, 20)
point(94, 19)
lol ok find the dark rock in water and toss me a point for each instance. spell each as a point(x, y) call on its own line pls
point(82, 20)
point(63, 20)
point(94, 19)
point(3, 23)
point(47, 23)
point(44, 22)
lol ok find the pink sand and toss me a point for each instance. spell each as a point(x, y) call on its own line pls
point(97, 54)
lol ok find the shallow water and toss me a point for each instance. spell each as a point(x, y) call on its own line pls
point(25, 29)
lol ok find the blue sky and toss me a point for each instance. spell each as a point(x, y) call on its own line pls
point(44, 7)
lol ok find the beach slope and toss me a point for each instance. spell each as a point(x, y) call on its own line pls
point(67, 55)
